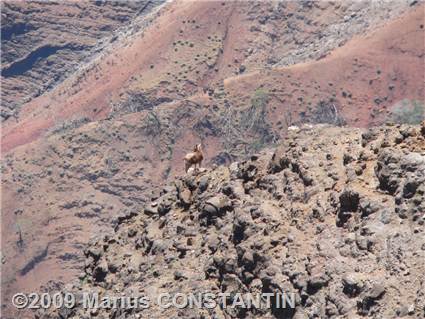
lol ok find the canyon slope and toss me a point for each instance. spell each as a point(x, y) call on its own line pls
point(101, 100)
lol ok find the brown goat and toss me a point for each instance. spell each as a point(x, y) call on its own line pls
point(193, 158)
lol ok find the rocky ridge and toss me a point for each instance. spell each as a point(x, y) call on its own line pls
point(335, 215)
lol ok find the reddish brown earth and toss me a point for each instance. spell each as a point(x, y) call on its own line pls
point(381, 65)
point(233, 75)
point(145, 63)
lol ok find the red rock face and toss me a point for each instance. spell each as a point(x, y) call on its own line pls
point(129, 104)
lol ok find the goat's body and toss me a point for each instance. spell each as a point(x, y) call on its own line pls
point(194, 158)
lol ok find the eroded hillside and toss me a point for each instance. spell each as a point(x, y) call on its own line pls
point(191, 48)
point(136, 90)
point(44, 42)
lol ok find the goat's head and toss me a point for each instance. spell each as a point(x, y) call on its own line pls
point(197, 148)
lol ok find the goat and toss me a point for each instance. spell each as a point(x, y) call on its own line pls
point(193, 158)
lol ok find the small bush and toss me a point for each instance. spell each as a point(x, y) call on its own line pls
point(409, 112)
point(69, 125)
point(260, 98)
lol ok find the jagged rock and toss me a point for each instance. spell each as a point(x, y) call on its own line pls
point(368, 207)
point(387, 171)
point(151, 210)
point(347, 158)
point(349, 203)
point(370, 298)
point(185, 197)
point(316, 282)
point(101, 270)
point(203, 184)
point(165, 204)
point(368, 137)
point(232, 284)
point(353, 284)
point(217, 204)
point(247, 171)
point(279, 161)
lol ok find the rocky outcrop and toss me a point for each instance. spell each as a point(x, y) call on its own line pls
point(346, 237)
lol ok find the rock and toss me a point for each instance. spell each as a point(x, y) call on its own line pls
point(398, 139)
point(353, 284)
point(279, 161)
point(94, 251)
point(179, 275)
point(376, 291)
point(218, 203)
point(228, 189)
point(185, 197)
point(370, 298)
point(215, 207)
point(349, 203)
point(101, 270)
point(164, 204)
point(260, 227)
point(409, 188)
point(113, 264)
point(232, 284)
point(151, 210)
point(203, 184)
point(349, 200)
point(368, 207)
point(247, 171)
point(387, 171)
point(408, 132)
point(234, 169)
point(316, 282)
point(412, 162)
point(347, 158)
point(368, 137)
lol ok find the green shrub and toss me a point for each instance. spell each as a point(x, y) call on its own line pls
point(408, 111)
point(260, 98)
